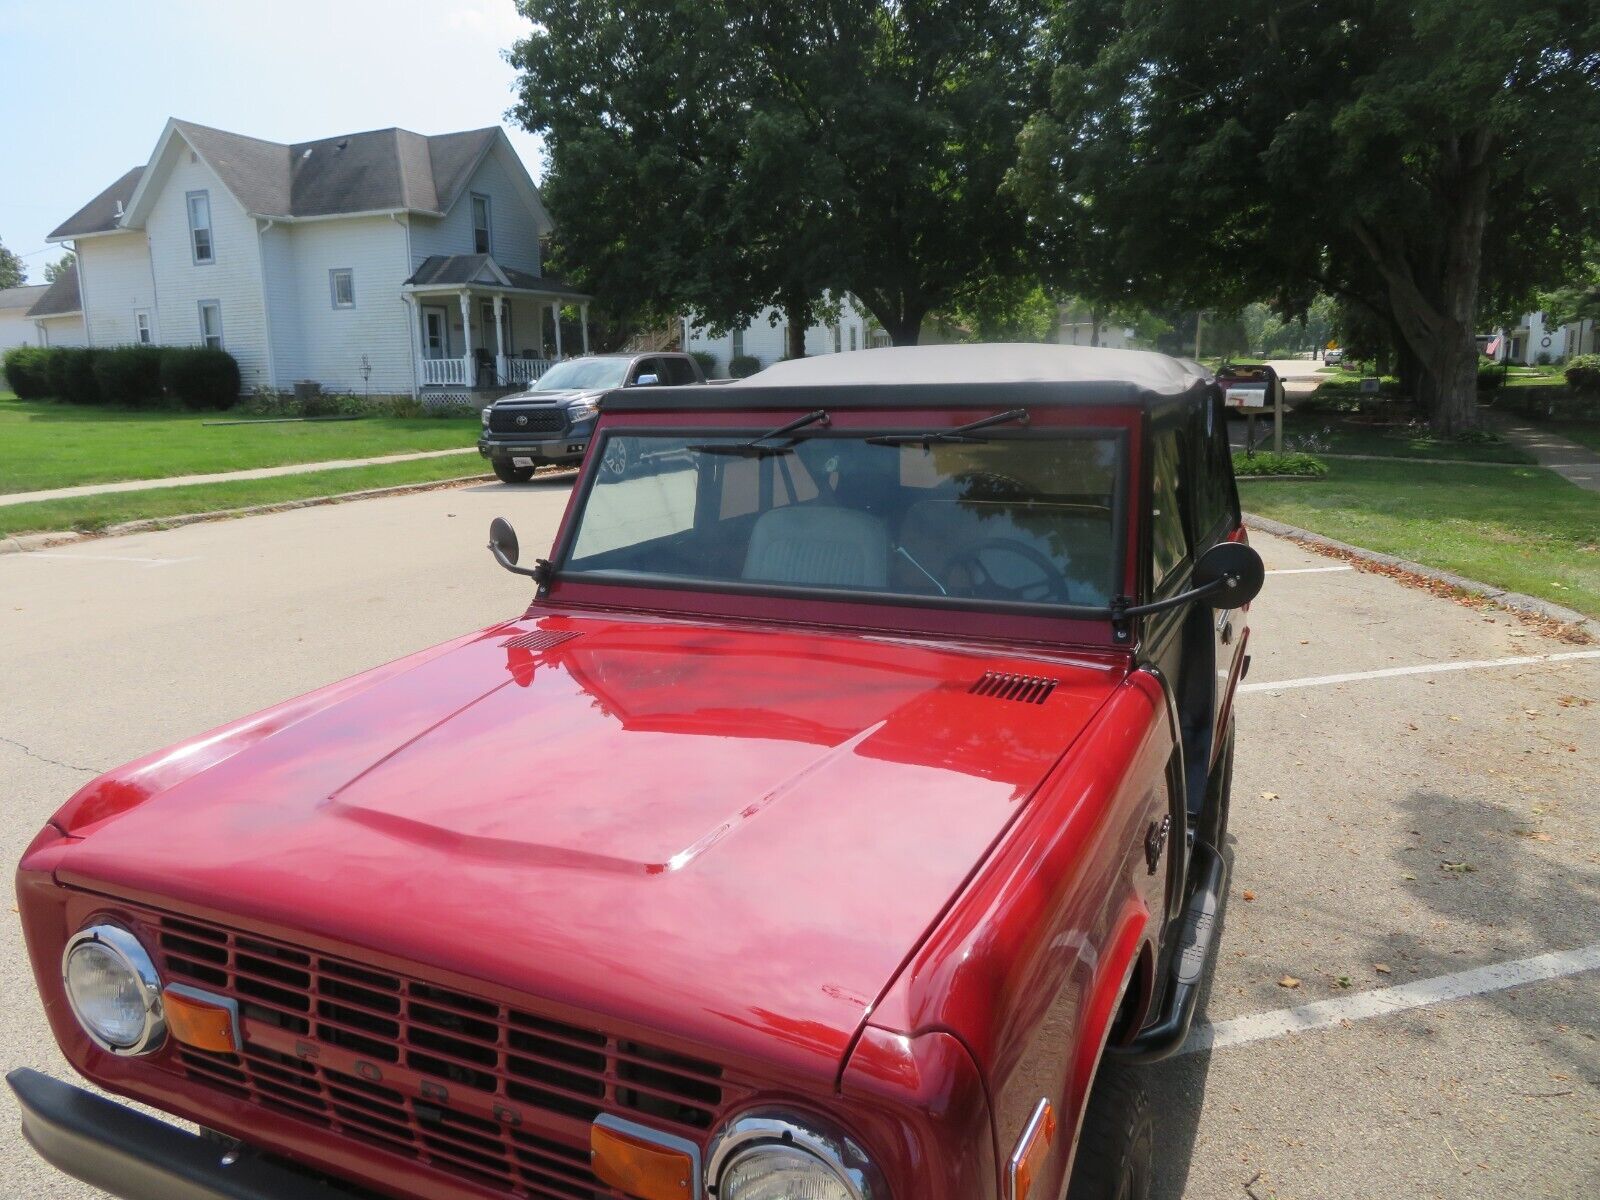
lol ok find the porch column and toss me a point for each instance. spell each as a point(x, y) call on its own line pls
point(466, 339)
point(555, 310)
point(418, 341)
point(583, 311)
point(499, 342)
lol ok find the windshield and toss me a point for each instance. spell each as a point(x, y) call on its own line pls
point(583, 374)
point(1010, 518)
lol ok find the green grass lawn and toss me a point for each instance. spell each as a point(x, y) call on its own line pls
point(1585, 433)
point(1521, 528)
point(49, 445)
point(96, 512)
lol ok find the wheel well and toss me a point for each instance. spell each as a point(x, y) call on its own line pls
point(1135, 999)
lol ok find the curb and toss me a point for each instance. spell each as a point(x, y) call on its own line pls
point(1516, 601)
point(1281, 478)
point(22, 543)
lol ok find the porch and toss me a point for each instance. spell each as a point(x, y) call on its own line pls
point(482, 327)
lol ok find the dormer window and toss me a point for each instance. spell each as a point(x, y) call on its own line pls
point(200, 227)
point(480, 224)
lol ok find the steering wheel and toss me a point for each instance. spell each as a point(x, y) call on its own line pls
point(1051, 584)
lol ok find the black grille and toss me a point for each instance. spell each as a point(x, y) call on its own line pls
point(331, 1042)
point(534, 420)
point(1002, 685)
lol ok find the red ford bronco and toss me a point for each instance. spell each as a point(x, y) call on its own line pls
point(843, 820)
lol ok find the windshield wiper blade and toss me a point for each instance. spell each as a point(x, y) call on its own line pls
point(961, 433)
point(754, 449)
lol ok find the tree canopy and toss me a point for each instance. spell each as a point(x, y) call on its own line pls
point(1413, 158)
point(12, 271)
point(53, 270)
point(727, 155)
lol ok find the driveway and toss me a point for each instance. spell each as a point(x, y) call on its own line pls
point(1407, 839)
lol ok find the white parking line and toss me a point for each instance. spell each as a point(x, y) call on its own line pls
point(1241, 1031)
point(1521, 660)
point(122, 558)
point(1307, 570)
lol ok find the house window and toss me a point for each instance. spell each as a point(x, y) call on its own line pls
point(200, 227)
point(141, 328)
point(342, 283)
point(738, 343)
point(838, 339)
point(480, 224)
point(852, 337)
point(211, 324)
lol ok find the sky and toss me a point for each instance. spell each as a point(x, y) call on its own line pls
point(89, 84)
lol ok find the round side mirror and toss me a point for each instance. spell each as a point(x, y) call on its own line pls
point(1234, 570)
point(503, 541)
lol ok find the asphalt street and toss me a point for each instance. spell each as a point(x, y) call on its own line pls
point(1388, 830)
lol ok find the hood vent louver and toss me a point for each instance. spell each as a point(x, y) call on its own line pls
point(1002, 685)
point(539, 639)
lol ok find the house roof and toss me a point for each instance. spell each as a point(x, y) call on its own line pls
point(102, 213)
point(22, 297)
point(61, 297)
point(377, 171)
point(446, 269)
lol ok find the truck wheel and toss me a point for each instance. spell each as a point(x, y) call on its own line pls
point(507, 473)
point(1213, 830)
point(616, 460)
point(1116, 1148)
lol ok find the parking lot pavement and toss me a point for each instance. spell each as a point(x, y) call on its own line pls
point(1428, 823)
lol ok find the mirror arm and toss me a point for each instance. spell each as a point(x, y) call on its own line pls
point(1123, 609)
point(541, 572)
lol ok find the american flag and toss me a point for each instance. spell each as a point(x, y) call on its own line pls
point(1493, 348)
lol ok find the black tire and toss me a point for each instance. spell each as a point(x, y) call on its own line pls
point(1213, 829)
point(507, 473)
point(1116, 1148)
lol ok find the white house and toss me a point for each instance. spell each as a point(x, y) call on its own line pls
point(43, 314)
point(16, 328)
point(1537, 339)
point(384, 262)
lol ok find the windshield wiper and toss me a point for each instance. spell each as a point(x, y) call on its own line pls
point(754, 449)
point(961, 433)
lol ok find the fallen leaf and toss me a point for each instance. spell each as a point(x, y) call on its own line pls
point(1408, 877)
point(1269, 795)
point(1381, 968)
point(1343, 981)
point(1455, 718)
point(1288, 981)
point(1460, 868)
point(1249, 895)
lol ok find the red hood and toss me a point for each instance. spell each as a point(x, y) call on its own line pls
point(733, 836)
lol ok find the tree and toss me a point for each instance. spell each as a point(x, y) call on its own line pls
point(1402, 156)
point(12, 272)
point(53, 271)
point(729, 155)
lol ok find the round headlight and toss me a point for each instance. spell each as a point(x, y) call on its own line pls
point(114, 990)
point(781, 1173)
point(771, 1155)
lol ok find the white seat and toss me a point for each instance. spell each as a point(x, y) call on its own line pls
point(820, 546)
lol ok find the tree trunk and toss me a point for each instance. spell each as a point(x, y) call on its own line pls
point(797, 312)
point(905, 329)
point(1436, 311)
point(1094, 326)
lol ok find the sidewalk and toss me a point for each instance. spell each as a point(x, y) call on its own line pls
point(1574, 463)
point(139, 485)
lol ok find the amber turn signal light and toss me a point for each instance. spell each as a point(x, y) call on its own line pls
point(640, 1168)
point(204, 1022)
point(1027, 1161)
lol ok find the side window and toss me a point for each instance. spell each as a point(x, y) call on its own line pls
point(1215, 501)
point(738, 343)
point(211, 324)
point(1169, 542)
point(480, 224)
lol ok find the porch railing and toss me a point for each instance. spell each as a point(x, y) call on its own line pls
point(445, 372)
point(523, 370)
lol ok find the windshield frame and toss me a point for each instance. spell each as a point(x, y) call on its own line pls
point(747, 426)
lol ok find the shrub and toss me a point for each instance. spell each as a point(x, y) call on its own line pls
point(1306, 465)
point(707, 361)
point(1490, 377)
point(743, 366)
point(70, 373)
point(1582, 373)
point(129, 376)
point(25, 369)
point(199, 377)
